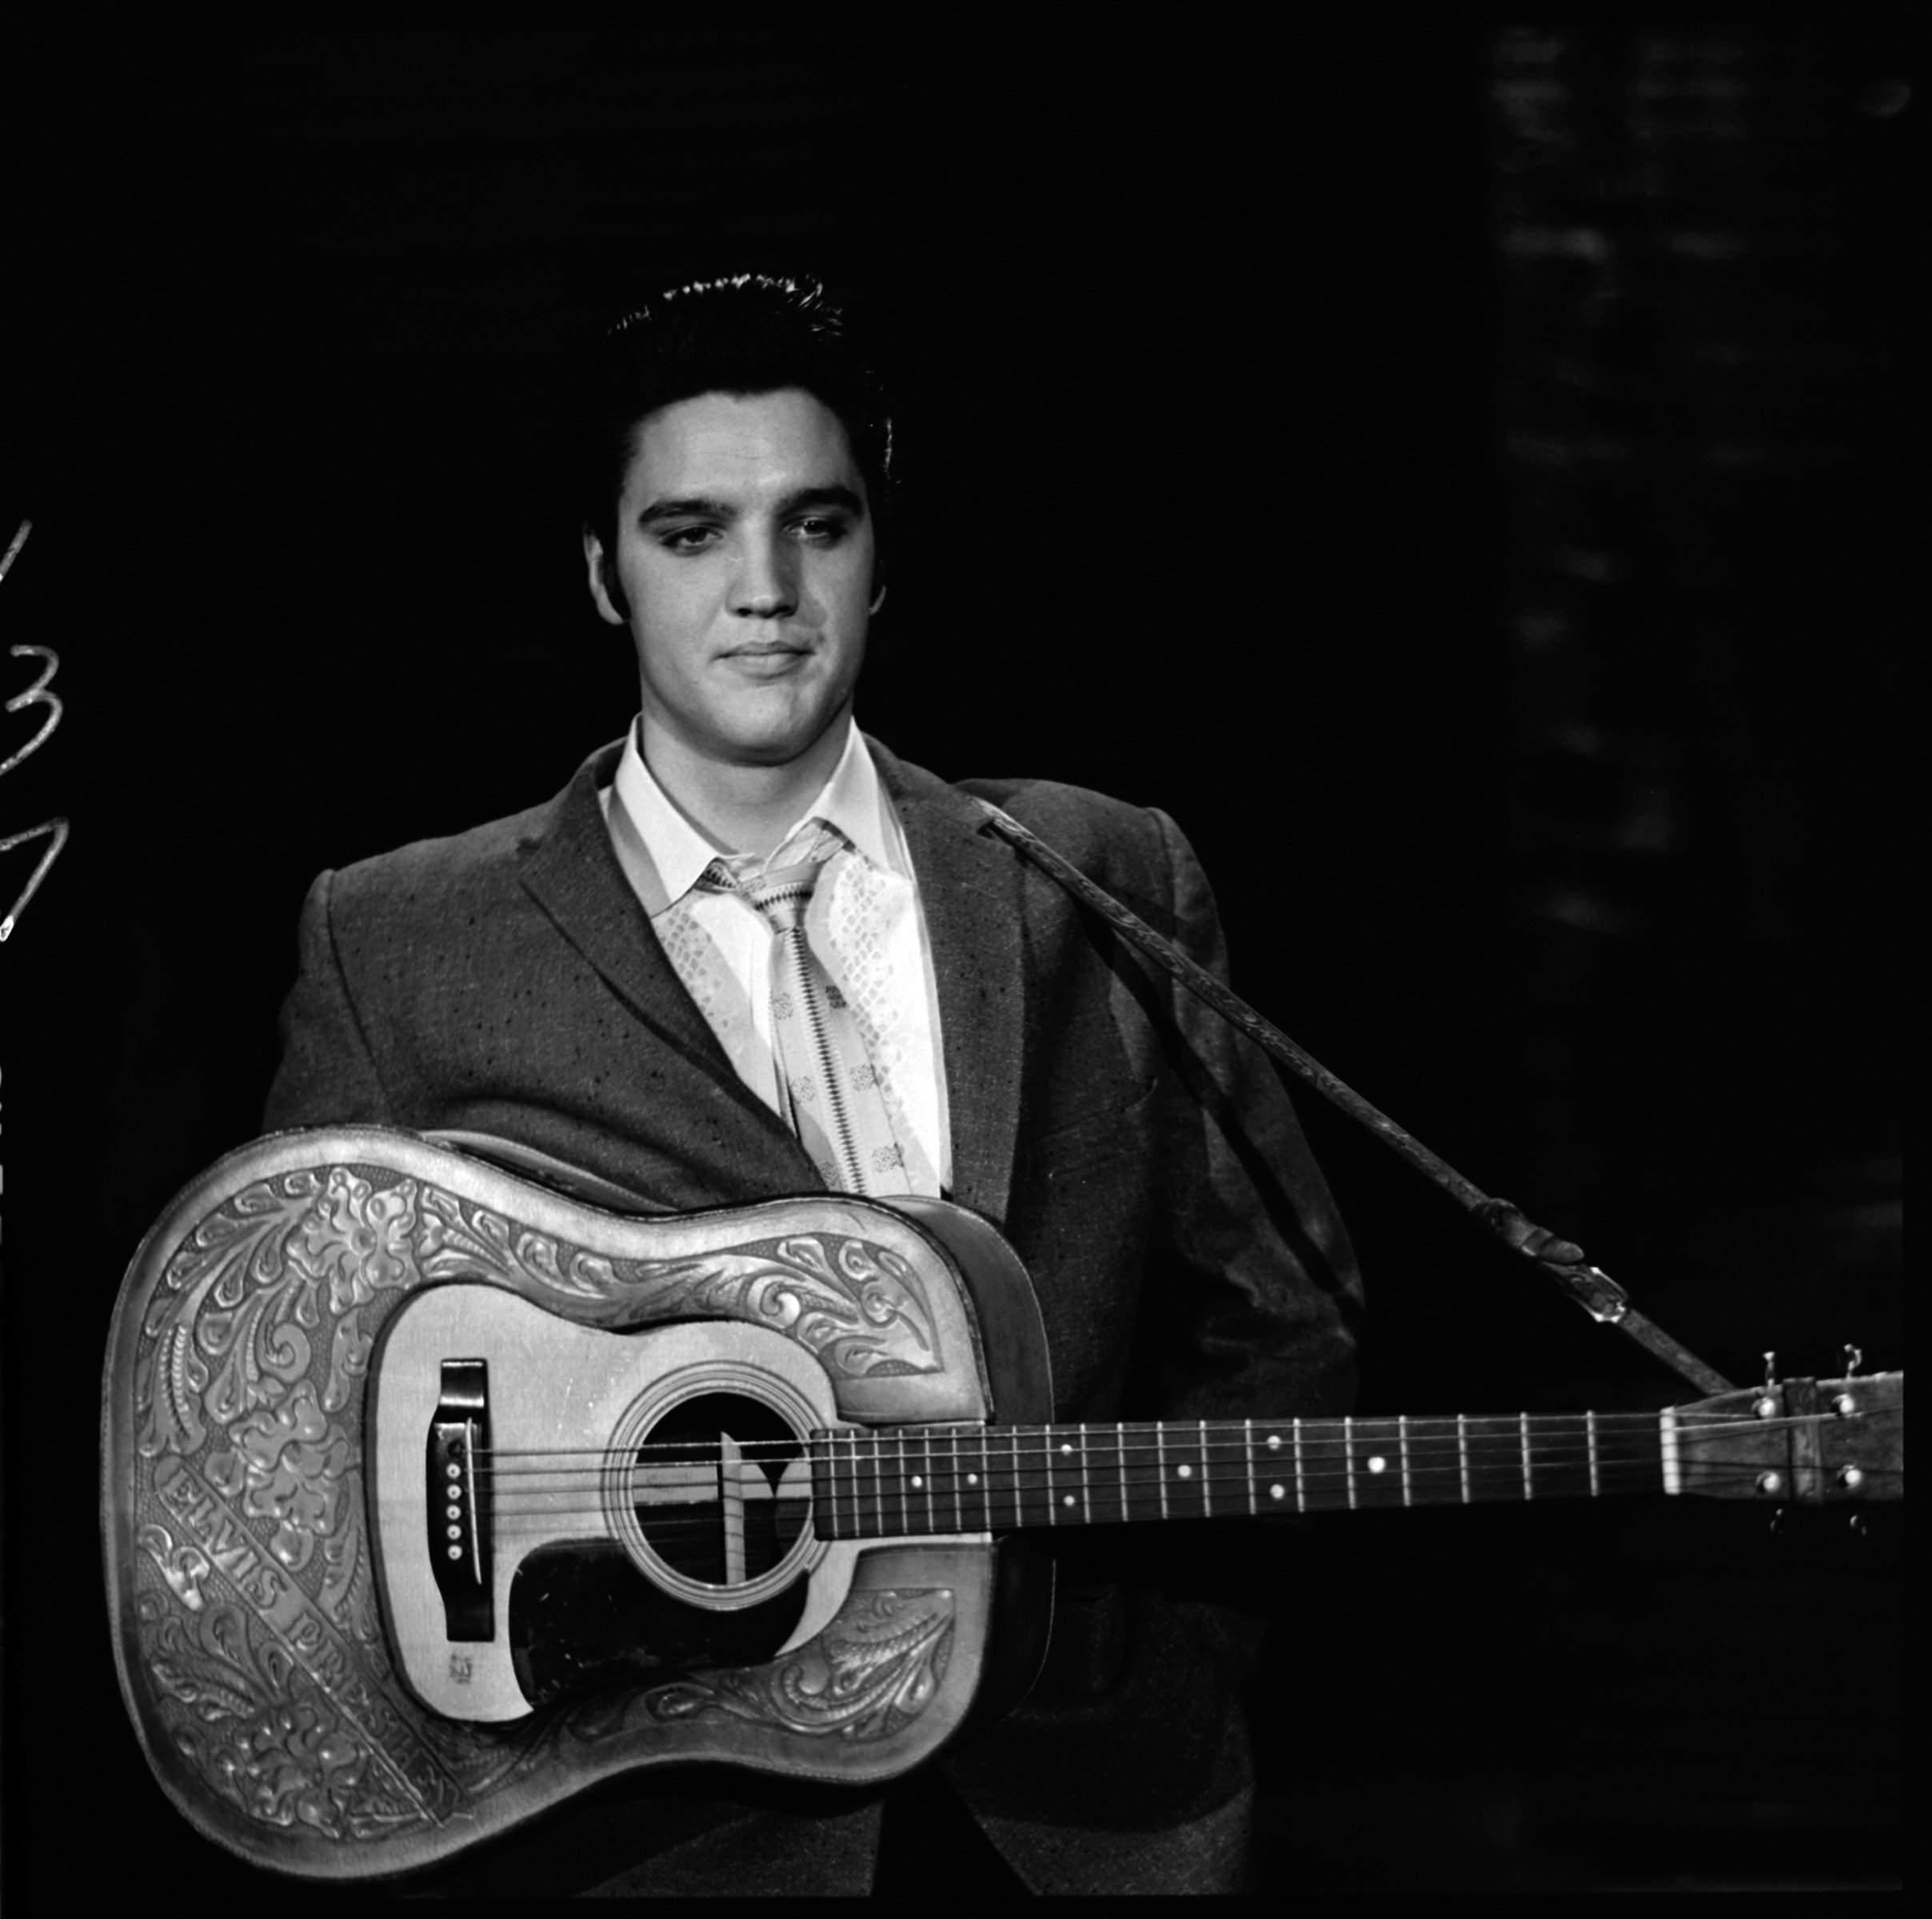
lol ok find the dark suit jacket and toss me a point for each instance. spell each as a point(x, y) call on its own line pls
point(1142, 1159)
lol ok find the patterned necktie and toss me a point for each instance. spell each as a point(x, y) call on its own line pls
point(831, 1088)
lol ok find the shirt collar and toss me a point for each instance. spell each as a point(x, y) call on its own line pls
point(853, 800)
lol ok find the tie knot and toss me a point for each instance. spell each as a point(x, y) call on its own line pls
point(783, 896)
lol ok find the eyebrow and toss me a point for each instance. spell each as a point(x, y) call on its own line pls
point(700, 506)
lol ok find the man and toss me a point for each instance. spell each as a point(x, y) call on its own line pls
point(615, 979)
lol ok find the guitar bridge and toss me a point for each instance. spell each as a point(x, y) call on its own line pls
point(458, 1500)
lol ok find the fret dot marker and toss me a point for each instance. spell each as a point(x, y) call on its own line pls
point(1274, 1442)
point(1377, 1464)
point(1186, 1472)
point(1068, 1450)
point(1277, 1492)
point(917, 1482)
point(972, 1479)
point(1066, 1499)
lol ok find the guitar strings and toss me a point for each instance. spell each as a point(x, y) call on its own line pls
point(882, 1518)
point(1030, 1484)
point(1503, 1431)
point(877, 1518)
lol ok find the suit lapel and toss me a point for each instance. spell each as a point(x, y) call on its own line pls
point(970, 889)
point(569, 869)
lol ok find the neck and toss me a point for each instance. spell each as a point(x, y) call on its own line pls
point(740, 808)
point(915, 1480)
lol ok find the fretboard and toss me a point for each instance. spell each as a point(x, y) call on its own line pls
point(969, 1479)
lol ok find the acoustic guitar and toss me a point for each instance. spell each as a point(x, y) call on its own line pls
point(432, 1496)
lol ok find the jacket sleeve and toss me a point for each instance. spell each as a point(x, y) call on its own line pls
point(1254, 1307)
point(1256, 1300)
point(328, 1074)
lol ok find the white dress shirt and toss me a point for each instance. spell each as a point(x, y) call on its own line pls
point(865, 925)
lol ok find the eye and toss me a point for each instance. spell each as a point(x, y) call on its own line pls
point(687, 539)
point(820, 529)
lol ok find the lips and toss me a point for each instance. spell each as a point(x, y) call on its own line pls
point(767, 661)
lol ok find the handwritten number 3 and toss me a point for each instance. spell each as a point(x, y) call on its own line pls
point(36, 695)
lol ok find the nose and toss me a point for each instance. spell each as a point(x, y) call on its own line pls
point(767, 585)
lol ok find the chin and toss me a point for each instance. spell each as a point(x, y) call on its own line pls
point(774, 747)
point(781, 740)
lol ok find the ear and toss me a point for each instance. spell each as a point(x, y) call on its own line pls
point(604, 587)
point(879, 598)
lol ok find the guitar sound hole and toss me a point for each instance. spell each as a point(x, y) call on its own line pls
point(713, 1494)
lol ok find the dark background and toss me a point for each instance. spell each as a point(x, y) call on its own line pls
point(1458, 473)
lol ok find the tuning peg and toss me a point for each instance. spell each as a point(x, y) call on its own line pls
point(1854, 1359)
point(1767, 1406)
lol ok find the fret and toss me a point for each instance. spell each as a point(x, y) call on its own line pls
point(925, 1453)
point(1227, 1469)
point(1522, 1429)
point(1461, 1454)
point(1402, 1441)
point(1248, 1454)
point(1271, 1471)
point(977, 1480)
point(1160, 1465)
point(1134, 1453)
point(1184, 1479)
point(1322, 1464)
point(1495, 1459)
point(1559, 1451)
point(1630, 1455)
point(908, 1492)
point(826, 1518)
point(1019, 1512)
point(1435, 1473)
point(1207, 1475)
point(1377, 1477)
point(1073, 1460)
point(1301, 1479)
point(1086, 1495)
point(1179, 1500)
point(1590, 1430)
point(1348, 1459)
point(1048, 1492)
point(1120, 1463)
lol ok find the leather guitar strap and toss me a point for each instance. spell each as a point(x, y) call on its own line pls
point(1589, 1286)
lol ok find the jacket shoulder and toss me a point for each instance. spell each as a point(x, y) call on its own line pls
point(1099, 833)
point(429, 876)
point(432, 878)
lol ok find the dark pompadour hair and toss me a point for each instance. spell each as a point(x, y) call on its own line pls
point(749, 334)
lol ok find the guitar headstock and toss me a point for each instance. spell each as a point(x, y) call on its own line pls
point(1810, 1441)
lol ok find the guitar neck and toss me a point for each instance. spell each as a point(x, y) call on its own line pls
point(952, 1479)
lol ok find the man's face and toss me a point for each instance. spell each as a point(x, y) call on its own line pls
point(744, 551)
